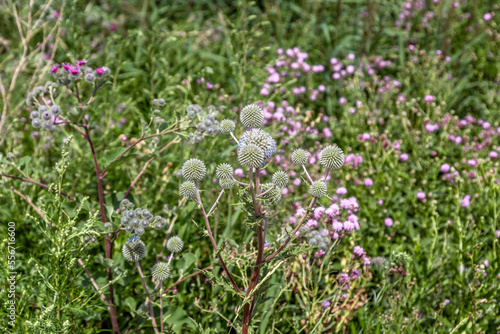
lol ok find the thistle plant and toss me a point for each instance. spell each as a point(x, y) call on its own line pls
point(49, 107)
point(134, 250)
point(255, 148)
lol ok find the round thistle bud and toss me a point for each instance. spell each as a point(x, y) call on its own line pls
point(280, 179)
point(224, 171)
point(134, 249)
point(208, 123)
point(175, 244)
point(318, 189)
point(135, 222)
point(56, 110)
point(139, 230)
point(201, 127)
point(260, 138)
point(160, 271)
point(332, 157)
point(144, 223)
point(227, 126)
point(251, 156)
point(129, 228)
point(161, 102)
point(43, 109)
point(299, 156)
point(34, 115)
point(46, 115)
point(188, 189)
point(146, 213)
point(106, 71)
point(252, 116)
point(124, 221)
point(226, 183)
point(37, 123)
point(194, 170)
point(130, 214)
point(155, 102)
point(89, 77)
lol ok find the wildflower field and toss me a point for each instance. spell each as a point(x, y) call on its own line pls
point(325, 166)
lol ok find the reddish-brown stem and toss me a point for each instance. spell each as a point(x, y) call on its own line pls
point(94, 284)
point(247, 308)
point(283, 245)
point(214, 244)
point(107, 242)
point(30, 180)
point(151, 309)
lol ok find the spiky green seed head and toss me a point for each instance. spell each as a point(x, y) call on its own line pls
point(332, 157)
point(260, 138)
point(318, 189)
point(188, 189)
point(226, 183)
point(224, 171)
point(160, 271)
point(134, 249)
point(299, 156)
point(175, 244)
point(194, 170)
point(227, 126)
point(252, 116)
point(280, 179)
point(251, 156)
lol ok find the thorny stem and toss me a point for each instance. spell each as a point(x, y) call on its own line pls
point(214, 244)
point(151, 310)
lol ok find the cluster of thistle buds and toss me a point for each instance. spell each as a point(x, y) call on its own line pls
point(66, 73)
point(158, 103)
point(137, 220)
point(255, 147)
point(207, 124)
